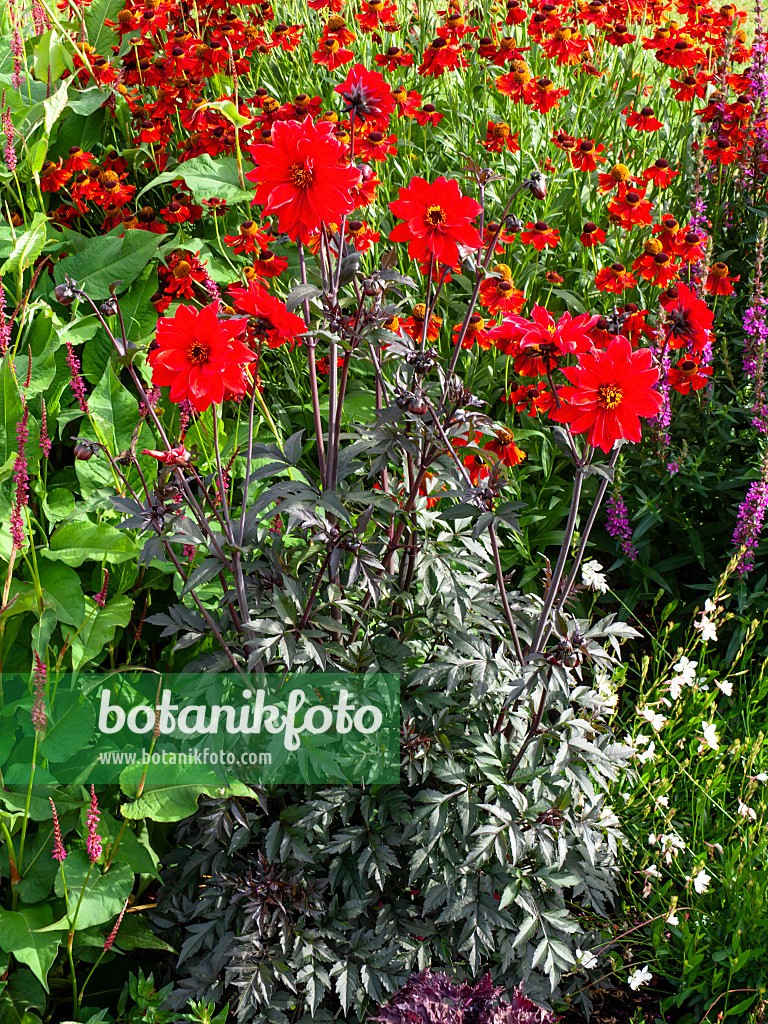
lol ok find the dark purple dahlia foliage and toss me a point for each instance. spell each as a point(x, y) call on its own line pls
point(433, 999)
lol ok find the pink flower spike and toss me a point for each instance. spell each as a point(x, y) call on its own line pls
point(101, 597)
point(93, 841)
point(113, 934)
point(38, 715)
point(59, 853)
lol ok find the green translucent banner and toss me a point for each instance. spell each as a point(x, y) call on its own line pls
point(144, 730)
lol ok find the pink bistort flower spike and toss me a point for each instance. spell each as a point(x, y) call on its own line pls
point(59, 853)
point(93, 840)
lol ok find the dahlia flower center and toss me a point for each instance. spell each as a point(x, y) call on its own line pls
point(198, 352)
point(300, 176)
point(435, 216)
point(182, 269)
point(609, 396)
point(620, 172)
point(501, 130)
point(719, 270)
point(687, 366)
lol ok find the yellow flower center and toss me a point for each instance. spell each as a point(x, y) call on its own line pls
point(620, 172)
point(435, 216)
point(501, 130)
point(652, 247)
point(609, 396)
point(181, 269)
point(300, 176)
point(719, 269)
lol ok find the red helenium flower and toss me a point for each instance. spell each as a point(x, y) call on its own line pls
point(299, 177)
point(611, 391)
point(436, 220)
point(198, 356)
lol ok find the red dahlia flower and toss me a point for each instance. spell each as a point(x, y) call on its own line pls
point(689, 319)
point(610, 391)
point(198, 356)
point(368, 95)
point(299, 177)
point(270, 318)
point(436, 220)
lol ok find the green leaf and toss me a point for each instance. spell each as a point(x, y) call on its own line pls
point(115, 411)
point(19, 935)
point(107, 259)
point(28, 246)
point(99, 630)
point(22, 994)
point(54, 106)
point(76, 543)
point(51, 57)
point(87, 101)
point(104, 895)
point(170, 791)
point(100, 35)
point(62, 588)
point(207, 178)
point(70, 727)
point(132, 934)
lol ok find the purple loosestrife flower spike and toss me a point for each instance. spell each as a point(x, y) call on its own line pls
point(113, 934)
point(618, 525)
point(75, 380)
point(39, 717)
point(59, 853)
point(93, 840)
point(749, 526)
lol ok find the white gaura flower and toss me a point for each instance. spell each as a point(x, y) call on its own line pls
point(701, 881)
point(585, 959)
point(652, 871)
point(592, 576)
point(657, 721)
point(673, 919)
point(639, 977)
point(676, 685)
point(746, 812)
point(726, 687)
point(687, 669)
point(762, 777)
point(662, 801)
point(707, 628)
point(710, 740)
point(649, 754)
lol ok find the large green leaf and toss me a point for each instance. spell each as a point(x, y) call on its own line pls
point(107, 259)
point(62, 588)
point(207, 178)
point(100, 35)
point(22, 994)
point(170, 791)
point(104, 894)
point(19, 935)
point(75, 543)
point(70, 725)
point(99, 630)
point(115, 410)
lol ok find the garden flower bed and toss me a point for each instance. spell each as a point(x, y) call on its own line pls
point(383, 418)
